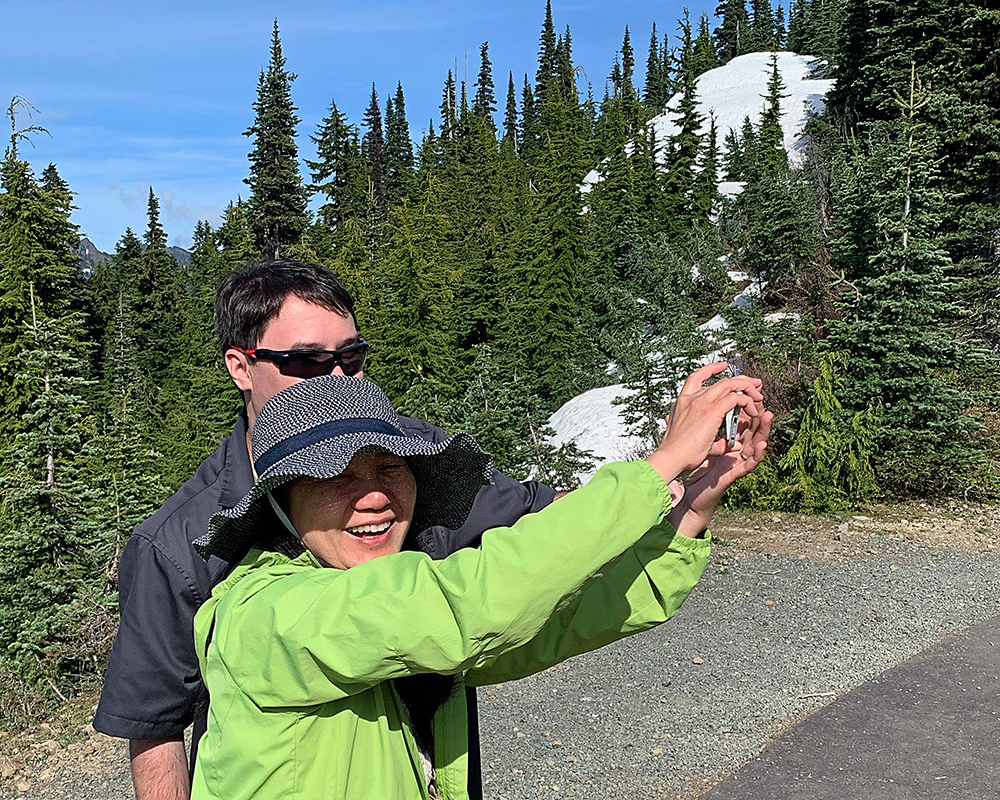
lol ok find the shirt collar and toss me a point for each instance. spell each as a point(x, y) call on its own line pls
point(237, 477)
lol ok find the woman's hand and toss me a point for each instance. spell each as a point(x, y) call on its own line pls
point(693, 425)
point(703, 488)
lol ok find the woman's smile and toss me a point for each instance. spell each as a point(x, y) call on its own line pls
point(361, 514)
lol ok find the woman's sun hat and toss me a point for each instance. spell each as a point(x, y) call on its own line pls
point(314, 428)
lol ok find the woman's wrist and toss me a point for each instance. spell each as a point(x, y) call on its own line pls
point(666, 464)
point(688, 522)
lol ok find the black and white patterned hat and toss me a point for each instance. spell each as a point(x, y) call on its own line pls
point(314, 428)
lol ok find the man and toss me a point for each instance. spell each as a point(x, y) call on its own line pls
point(277, 323)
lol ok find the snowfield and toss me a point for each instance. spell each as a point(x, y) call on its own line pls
point(730, 93)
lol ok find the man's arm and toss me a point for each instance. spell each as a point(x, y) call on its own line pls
point(159, 769)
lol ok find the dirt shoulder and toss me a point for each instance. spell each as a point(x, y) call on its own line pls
point(964, 528)
point(66, 758)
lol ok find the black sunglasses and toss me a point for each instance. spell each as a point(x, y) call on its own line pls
point(312, 363)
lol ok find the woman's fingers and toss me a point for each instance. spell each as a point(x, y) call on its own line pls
point(697, 378)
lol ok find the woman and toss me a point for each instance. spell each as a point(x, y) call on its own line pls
point(308, 647)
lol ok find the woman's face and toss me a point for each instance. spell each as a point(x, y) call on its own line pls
point(361, 514)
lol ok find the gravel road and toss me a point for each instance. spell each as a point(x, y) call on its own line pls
point(765, 640)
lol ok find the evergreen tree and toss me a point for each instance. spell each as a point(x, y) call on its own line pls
point(706, 188)
point(732, 36)
point(484, 105)
point(628, 67)
point(50, 538)
point(548, 57)
point(157, 304)
point(684, 145)
point(339, 173)
point(762, 31)
point(780, 30)
point(829, 464)
point(449, 109)
point(510, 113)
point(499, 409)
point(278, 197)
point(551, 333)
point(797, 26)
point(654, 90)
point(770, 156)
point(528, 133)
point(398, 148)
point(373, 151)
point(235, 237)
point(899, 313)
point(703, 57)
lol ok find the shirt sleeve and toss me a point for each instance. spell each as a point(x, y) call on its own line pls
point(152, 685)
point(318, 635)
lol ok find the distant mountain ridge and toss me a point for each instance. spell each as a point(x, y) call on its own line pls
point(90, 256)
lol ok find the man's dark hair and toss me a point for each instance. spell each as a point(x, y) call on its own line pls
point(247, 300)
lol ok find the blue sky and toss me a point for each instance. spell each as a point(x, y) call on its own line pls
point(139, 94)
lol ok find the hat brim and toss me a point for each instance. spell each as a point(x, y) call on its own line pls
point(448, 475)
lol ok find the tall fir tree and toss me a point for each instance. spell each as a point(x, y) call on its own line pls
point(898, 327)
point(373, 151)
point(278, 198)
point(484, 104)
point(510, 113)
point(339, 173)
point(399, 161)
point(703, 57)
point(733, 34)
point(548, 57)
point(762, 34)
point(654, 91)
point(684, 146)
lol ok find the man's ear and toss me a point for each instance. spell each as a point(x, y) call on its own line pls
point(239, 369)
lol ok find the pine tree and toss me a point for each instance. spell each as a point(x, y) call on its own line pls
point(157, 303)
point(706, 188)
point(235, 237)
point(449, 109)
point(703, 57)
point(898, 325)
point(770, 156)
point(339, 173)
point(484, 105)
point(684, 145)
point(49, 534)
point(373, 151)
point(762, 28)
point(510, 113)
point(732, 36)
point(398, 148)
point(780, 30)
point(278, 197)
point(551, 336)
point(528, 133)
point(628, 68)
point(548, 57)
point(654, 90)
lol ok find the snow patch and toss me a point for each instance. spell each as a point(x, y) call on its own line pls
point(738, 89)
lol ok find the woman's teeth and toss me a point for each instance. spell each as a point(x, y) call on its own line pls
point(370, 530)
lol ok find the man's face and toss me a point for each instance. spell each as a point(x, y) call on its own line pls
point(298, 326)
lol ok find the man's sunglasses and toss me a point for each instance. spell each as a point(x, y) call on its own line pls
point(312, 363)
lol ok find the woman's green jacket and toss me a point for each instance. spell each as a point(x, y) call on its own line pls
point(299, 659)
